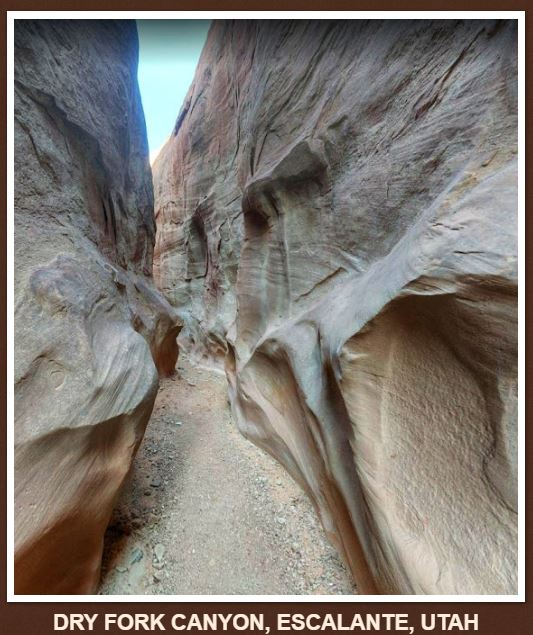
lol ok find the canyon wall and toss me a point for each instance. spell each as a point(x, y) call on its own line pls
point(91, 330)
point(336, 211)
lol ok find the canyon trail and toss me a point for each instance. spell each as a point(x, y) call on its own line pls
point(206, 512)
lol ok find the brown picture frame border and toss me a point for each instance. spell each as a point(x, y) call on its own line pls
point(495, 618)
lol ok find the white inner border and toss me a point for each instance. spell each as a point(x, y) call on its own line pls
point(342, 15)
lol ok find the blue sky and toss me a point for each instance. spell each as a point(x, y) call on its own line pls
point(168, 54)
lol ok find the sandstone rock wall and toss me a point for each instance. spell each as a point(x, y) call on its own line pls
point(90, 327)
point(336, 213)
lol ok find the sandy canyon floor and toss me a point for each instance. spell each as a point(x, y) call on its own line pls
point(206, 512)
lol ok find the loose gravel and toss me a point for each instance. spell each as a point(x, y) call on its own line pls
point(206, 512)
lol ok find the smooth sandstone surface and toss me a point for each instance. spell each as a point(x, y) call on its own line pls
point(336, 212)
point(91, 330)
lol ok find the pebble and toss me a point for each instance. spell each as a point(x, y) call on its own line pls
point(136, 556)
point(147, 492)
point(156, 482)
point(159, 551)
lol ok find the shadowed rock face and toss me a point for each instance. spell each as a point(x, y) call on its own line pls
point(90, 327)
point(336, 214)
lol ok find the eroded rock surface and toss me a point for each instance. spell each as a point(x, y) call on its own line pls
point(90, 327)
point(336, 213)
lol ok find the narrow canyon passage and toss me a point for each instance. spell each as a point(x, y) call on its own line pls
point(334, 213)
point(207, 512)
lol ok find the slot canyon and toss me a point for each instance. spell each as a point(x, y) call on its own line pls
point(283, 360)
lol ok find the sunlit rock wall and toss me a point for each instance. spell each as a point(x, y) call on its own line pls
point(90, 327)
point(336, 212)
